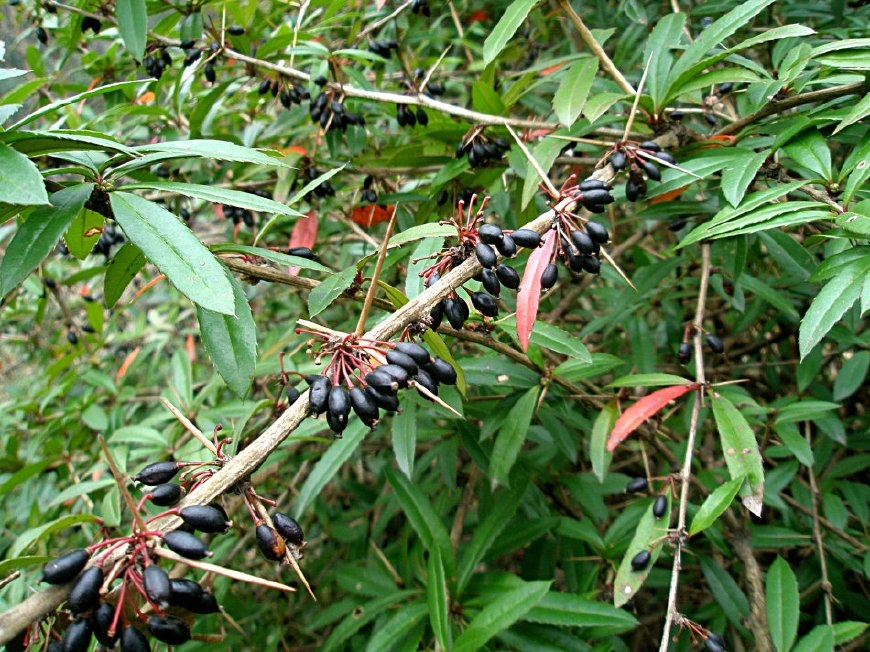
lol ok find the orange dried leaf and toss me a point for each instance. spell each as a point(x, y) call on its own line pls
point(372, 214)
point(642, 410)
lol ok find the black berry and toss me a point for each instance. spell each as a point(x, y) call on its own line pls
point(484, 303)
point(597, 232)
point(271, 543)
point(85, 593)
point(716, 345)
point(636, 485)
point(132, 640)
point(508, 276)
point(397, 373)
point(490, 282)
point(157, 473)
point(685, 352)
point(338, 409)
point(169, 629)
point(288, 528)
point(417, 352)
point(318, 395)
point(77, 637)
point(65, 568)
point(442, 371)
point(485, 256)
point(456, 310)
point(186, 545)
point(617, 160)
point(549, 276)
point(364, 406)
point(660, 505)
point(205, 518)
point(640, 560)
point(490, 233)
point(157, 586)
point(102, 620)
point(384, 400)
point(583, 242)
point(403, 360)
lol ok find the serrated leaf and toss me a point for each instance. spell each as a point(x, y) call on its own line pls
point(231, 341)
point(715, 505)
point(741, 452)
point(438, 599)
point(175, 251)
point(574, 90)
point(545, 153)
point(783, 604)
point(529, 292)
point(75, 99)
point(736, 178)
point(599, 456)
point(501, 611)
point(132, 18)
point(762, 219)
point(667, 34)
point(31, 536)
point(831, 303)
point(648, 380)
point(505, 28)
point(40, 233)
point(847, 630)
point(122, 269)
point(570, 610)
point(647, 536)
point(328, 465)
point(851, 375)
point(20, 179)
point(425, 521)
point(810, 150)
point(83, 233)
point(329, 290)
point(643, 409)
point(217, 195)
point(858, 113)
point(559, 340)
point(511, 437)
point(820, 639)
point(220, 150)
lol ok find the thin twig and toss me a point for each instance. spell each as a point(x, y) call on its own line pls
point(817, 533)
point(589, 39)
point(637, 94)
point(373, 284)
point(534, 163)
point(220, 570)
point(188, 425)
point(686, 473)
point(122, 486)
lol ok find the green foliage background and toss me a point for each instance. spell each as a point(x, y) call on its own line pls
point(505, 528)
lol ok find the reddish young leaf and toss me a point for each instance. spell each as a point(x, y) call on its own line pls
point(529, 292)
point(371, 214)
point(646, 407)
point(304, 235)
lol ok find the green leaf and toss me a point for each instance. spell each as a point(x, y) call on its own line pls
point(500, 613)
point(8, 566)
point(421, 232)
point(797, 444)
point(175, 251)
point(820, 639)
point(438, 599)
point(810, 150)
point(574, 89)
point(847, 630)
point(20, 179)
point(545, 153)
point(75, 99)
point(851, 375)
point(783, 604)
point(713, 35)
point(741, 452)
point(122, 269)
point(403, 621)
point(132, 18)
point(83, 233)
point(218, 195)
point(647, 536)
point(770, 217)
point(404, 438)
point(736, 178)
point(231, 341)
point(599, 456)
point(715, 505)
point(727, 593)
point(858, 113)
point(31, 536)
point(486, 532)
point(329, 290)
point(506, 27)
point(649, 380)
point(360, 617)
point(328, 465)
point(831, 303)
point(511, 436)
point(220, 150)
point(420, 260)
point(667, 34)
point(38, 143)
point(570, 610)
point(559, 340)
point(425, 521)
point(40, 233)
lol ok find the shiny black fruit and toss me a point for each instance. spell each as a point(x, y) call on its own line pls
point(485, 256)
point(617, 160)
point(549, 276)
point(205, 518)
point(526, 238)
point(403, 360)
point(157, 473)
point(186, 545)
point(384, 400)
point(415, 351)
point(157, 586)
point(169, 629)
point(271, 543)
point(338, 409)
point(508, 276)
point(484, 303)
point(85, 593)
point(583, 242)
point(490, 282)
point(318, 396)
point(597, 232)
point(716, 345)
point(685, 352)
point(288, 528)
point(507, 247)
point(640, 560)
point(660, 506)
point(364, 406)
point(102, 620)
point(442, 371)
point(132, 640)
point(65, 568)
point(77, 637)
point(490, 233)
point(165, 495)
point(636, 485)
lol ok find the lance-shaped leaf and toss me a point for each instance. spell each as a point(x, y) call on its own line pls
point(231, 341)
point(598, 453)
point(741, 452)
point(529, 293)
point(642, 410)
point(506, 27)
point(20, 178)
point(511, 436)
point(175, 251)
point(715, 504)
point(133, 25)
point(783, 604)
point(647, 536)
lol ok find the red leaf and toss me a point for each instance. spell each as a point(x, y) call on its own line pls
point(529, 293)
point(304, 235)
point(372, 214)
point(646, 407)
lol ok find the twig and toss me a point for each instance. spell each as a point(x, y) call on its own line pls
point(637, 94)
point(375, 25)
point(534, 163)
point(122, 485)
point(373, 284)
point(220, 570)
point(589, 39)
point(686, 473)
point(188, 425)
point(817, 533)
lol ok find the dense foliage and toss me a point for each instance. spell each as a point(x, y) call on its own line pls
point(666, 445)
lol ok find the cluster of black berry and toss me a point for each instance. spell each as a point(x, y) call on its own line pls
point(684, 353)
point(156, 62)
point(383, 47)
point(431, 89)
point(420, 7)
point(351, 382)
point(408, 117)
point(330, 113)
point(640, 161)
point(639, 485)
point(293, 93)
point(480, 149)
point(369, 194)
